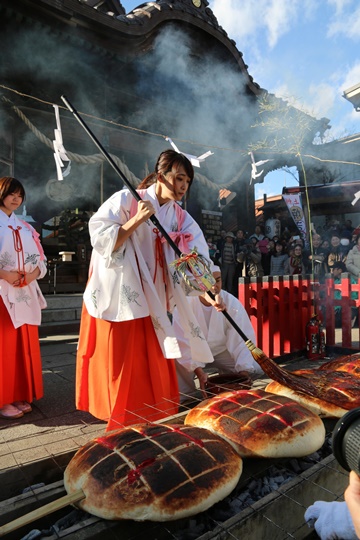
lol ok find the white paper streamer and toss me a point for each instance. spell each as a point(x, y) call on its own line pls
point(255, 165)
point(195, 160)
point(60, 152)
point(356, 198)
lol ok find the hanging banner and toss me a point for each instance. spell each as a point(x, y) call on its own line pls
point(294, 204)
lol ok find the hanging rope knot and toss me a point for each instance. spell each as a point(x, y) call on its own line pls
point(20, 254)
point(197, 265)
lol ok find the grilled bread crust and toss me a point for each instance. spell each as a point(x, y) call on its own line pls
point(316, 405)
point(260, 424)
point(153, 472)
point(349, 363)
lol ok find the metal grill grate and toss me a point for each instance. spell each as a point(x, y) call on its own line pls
point(268, 503)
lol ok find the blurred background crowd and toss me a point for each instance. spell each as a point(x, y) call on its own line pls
point(243, 254)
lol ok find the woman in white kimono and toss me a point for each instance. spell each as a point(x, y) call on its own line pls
point(125, 363)
point(22, 263)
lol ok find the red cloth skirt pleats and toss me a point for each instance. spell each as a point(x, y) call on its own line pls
point(121, 373)
point(20, 361)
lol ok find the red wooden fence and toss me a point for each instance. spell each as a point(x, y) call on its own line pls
point(279, 308)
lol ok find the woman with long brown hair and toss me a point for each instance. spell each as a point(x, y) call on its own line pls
point(295, 263)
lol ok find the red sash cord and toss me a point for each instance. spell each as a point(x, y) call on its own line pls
point(159, 255)
point(20, 254)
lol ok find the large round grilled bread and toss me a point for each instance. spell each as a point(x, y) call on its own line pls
point(153, 472)
point(259, 424)
point(316, 405)
point(349, 363)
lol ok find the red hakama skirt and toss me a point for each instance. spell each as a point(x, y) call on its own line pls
point(121, 374)
point(20, 361)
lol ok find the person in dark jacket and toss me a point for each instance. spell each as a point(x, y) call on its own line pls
point(250, 257)
point(240, 243)
point(315, 262)
point(228, 263)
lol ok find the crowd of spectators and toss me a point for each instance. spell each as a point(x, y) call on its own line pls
point(242, 254)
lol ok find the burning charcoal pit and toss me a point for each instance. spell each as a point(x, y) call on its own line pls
point(75, 517)
point(269, 501)
point(254, 490)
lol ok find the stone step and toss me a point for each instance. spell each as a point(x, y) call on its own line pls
point(62, 314)
point(59, 301)
point(59, 328)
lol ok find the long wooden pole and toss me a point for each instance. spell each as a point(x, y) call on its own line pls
point(153, 218)
point(42, 512)
point(131, 188)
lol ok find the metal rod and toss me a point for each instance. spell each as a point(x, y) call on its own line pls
point(138, 198)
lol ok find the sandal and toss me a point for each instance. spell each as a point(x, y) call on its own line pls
point(23, 406)
point(9, 412)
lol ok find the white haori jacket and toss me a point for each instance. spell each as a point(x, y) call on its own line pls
point(128, 283)
point(221, 336)
point(24, 304)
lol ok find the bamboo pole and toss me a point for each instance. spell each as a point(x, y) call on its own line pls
point(42, 512)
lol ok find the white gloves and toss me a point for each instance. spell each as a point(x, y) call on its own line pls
point(331, 520)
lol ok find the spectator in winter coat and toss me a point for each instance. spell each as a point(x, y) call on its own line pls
point(228, 263)
point(240, 239)
point(315, 262)
point(337, 252)
point(258, 234)
point(266, 255)
point(353, 259)
point(278, 260)
point(294, 264)
point(240, 245)
point(250, 257)
point(219, 245)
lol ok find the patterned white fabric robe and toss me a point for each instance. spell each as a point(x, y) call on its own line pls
point(24, 304)
point(121, 285)
point(220, 335)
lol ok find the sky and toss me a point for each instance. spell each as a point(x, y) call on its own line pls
point(303, 51)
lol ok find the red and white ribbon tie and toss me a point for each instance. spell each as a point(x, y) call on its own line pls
point(59, 150)
point(195, 160)
point(181, 240)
